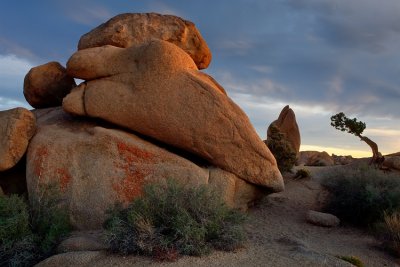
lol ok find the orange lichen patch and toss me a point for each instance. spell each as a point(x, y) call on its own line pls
point(64, 179)
point(40, 155)
point(134, 154)
point(132, 163)
point(131, 186)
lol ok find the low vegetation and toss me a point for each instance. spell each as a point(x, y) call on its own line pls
point(282, 150)
point(29, 235)
point(391, 231)
point(353, 260)
point(362, 196)
point(171, 220)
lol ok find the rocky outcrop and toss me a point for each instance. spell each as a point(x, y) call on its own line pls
point(144, 114)
point(127, 30)
point(322, 219)
point(392, 162)
point(91, 167)
point(83, 241)
point(287, 125)
point(46, 85)
point(315, 158)
point(155, 89)
point(235, 192)
point(342, 160)
point(17, 127)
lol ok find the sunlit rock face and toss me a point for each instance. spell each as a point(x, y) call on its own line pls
point(17, 126)
point(156, 89)
point(144, 114)
point(287, 124)
point(132, 29)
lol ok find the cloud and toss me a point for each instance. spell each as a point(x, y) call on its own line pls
point(163, 8)
point(89, 15)
point(12, 72)
point(263, 69)
point(366, 24)
point(6, 103)
point(9, 47)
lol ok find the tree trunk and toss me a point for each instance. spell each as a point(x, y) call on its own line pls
point(376, 156)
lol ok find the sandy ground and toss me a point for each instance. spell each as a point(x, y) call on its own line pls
point(278, 236)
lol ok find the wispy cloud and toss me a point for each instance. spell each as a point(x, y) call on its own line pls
point(89, 15)
point(163, 8)
point(263, 69)
point(7, 103)
point(12, 72)
point(238, 47)
point(13, 48)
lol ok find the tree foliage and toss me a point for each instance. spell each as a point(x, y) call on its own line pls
point(344, 124)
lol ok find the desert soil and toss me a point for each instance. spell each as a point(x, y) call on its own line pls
point(279, 236)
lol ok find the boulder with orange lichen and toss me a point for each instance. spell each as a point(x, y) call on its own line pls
point(91, 168)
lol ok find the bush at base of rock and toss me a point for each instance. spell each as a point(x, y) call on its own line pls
point(28, 236)
point(281, 149)
point(171, 219)
point(391, 232)
point(361, 196)
point(353, 260)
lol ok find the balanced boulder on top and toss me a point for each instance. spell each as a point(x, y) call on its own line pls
point(46, 85)
point(132, 29)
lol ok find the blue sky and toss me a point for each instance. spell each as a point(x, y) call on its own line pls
point(320, 57)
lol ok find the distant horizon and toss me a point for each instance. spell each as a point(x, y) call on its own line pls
point(318, 57)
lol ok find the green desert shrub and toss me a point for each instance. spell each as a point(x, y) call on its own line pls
point(282, 150)
point(391, 232)
point(353, 260)
point(29, 235)
point(17, 243)
point(362, 196)
point(48, 220)
point(171, 220)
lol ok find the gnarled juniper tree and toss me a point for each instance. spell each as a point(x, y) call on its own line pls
point(352, 126)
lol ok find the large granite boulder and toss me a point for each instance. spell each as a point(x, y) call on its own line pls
point(287, 125)
point(17, 126)
point(315, 158)
point(235, 192)
point(133, 29)
point(46, 85)
point(91, 167)
point(156, 89)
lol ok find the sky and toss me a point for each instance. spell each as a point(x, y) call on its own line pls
point(320, 57)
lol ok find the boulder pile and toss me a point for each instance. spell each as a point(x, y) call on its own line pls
point(314, 158)
point(144, 114)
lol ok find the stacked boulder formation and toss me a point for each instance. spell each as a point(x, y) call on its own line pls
point(144, 114)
